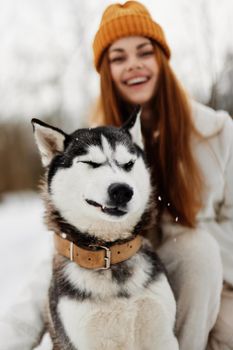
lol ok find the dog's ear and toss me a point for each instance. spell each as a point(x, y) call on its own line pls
point(133, 126)
point(50, 140)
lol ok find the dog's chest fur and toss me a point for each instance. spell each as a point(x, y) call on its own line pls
point(107, 309)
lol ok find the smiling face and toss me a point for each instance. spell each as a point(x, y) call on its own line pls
point(134, 69)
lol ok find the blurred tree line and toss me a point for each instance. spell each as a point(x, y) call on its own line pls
point(20, 163)
point(44, 73)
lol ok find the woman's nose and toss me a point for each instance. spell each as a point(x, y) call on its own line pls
point(134, 64)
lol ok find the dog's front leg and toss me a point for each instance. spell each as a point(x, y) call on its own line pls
point(156, 318)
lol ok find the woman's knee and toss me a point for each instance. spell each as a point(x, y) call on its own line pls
point(195, 272)
point(221, 336)
point(193, 260)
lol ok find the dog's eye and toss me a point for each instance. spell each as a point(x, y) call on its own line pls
point(128, 166)
point(92, 164)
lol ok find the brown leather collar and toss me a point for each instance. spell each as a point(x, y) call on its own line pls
point(102, 258)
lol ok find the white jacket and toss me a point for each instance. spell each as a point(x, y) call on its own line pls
point(215, 157)
point(23, 324)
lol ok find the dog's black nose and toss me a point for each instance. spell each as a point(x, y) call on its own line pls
point(120, 193)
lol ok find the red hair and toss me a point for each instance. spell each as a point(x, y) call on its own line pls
point(175, 172)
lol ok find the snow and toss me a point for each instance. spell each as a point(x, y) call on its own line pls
point(24, 244)
point(45, 343)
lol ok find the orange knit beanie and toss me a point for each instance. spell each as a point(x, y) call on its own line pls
point(120, 20)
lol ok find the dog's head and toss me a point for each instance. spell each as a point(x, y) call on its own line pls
point(97, 178)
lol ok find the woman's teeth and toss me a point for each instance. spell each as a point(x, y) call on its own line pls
point(135, 81)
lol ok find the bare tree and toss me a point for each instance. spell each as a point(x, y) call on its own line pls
point(221, 96)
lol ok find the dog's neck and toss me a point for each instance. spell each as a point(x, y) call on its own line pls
point(72, 238)
point(84, 239)
point(89, 251)
point(60, 226)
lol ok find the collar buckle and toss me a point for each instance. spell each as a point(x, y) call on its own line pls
point(107, 257)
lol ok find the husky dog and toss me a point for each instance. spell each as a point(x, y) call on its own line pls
point(109, 290)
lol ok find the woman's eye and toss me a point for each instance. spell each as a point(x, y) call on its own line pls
point(92, 164)
point(116, 59)
point(147, 53)
point(128, 166)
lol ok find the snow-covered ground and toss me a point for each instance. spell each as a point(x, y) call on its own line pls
point(24, 242)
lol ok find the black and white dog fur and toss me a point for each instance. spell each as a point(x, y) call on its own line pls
point(129, 306)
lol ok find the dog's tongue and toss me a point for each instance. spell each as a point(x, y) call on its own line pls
point(113, 211)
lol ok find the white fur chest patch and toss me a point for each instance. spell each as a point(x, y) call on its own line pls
point(103, 286)
point(122, 324)
point(93, 326)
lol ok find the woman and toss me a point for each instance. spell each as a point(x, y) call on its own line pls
point(190, 151)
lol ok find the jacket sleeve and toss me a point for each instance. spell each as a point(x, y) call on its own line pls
point(23, 325)
point(222, 227)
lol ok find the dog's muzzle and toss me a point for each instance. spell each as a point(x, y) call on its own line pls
point(119, 194)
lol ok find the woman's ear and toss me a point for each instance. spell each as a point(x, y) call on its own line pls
point(50, 140)
point(133, 127)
